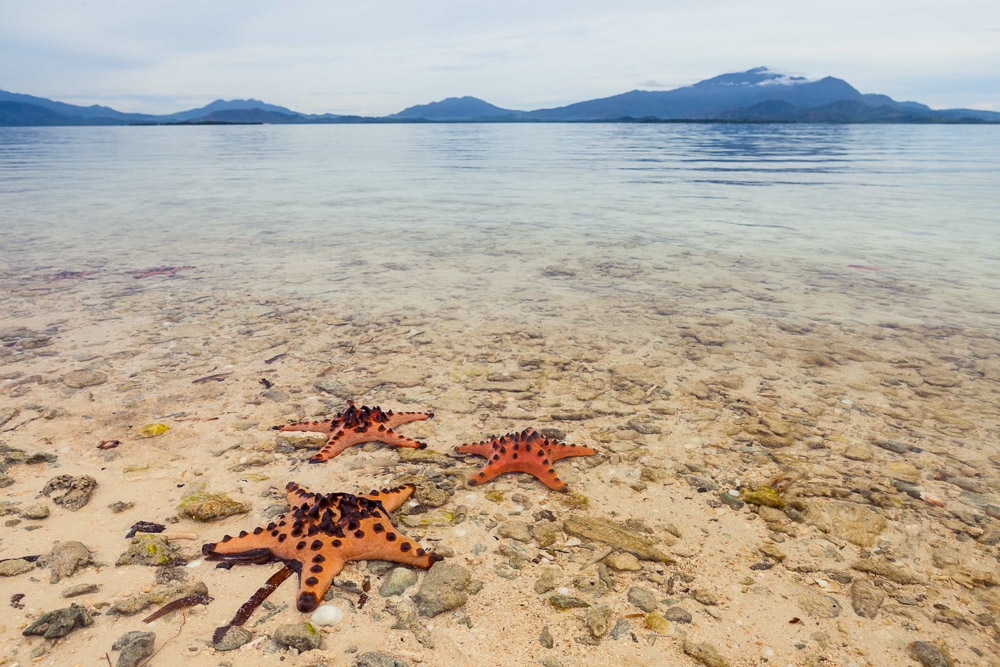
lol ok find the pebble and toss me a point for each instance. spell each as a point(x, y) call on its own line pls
point(374, 659)
point(398, 581)
point(135, 647)
point(615, 535)
point(76, 490)
point(152, 550)
point(515, 530)
point(705, 653)
point(929, 655)
point(866, 598)
point(445, 587)
point(59, 623)
point(37, 512)
point(300, 636)
point(80, 589)
point(546, 638)
point(548, 580)
point(66, 559)
point(623, 561)
point(14, 567)
point(205, 507)
point(327, 615)
point(234, 638)
point(678, 615)
point(642, 598)
point(563, 601)
point(84, 378)
point(705, 597)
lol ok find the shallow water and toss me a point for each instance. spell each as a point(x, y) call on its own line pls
point(681, 298)
point(478, 210)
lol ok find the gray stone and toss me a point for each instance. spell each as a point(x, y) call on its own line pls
point(159, 595)
point(135, 647)
point(234, 638)
point(445, 587)
point(548, 580)
point(152, 550)
point(14, 567)
point(515, 530)
point(76, 491)
point(80, 589)
point(623, 561)
point(731, 500)
point(37, 512)
point(560, 601)
point(66, 559)
point(545, 638)
point(866, 598)
point(374, 659)
point(59, 623)
point(817, 604)
point(642, 598)
point(705, 653)
point(399, 580)
point(301, 636)
point(621, 629)
point(929, 655)
point(678, 615)
point(85, 378)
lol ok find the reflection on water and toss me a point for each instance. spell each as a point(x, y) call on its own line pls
point(918, 200)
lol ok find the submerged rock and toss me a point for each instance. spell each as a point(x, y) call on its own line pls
point(234, 637)
point(206, 507)
point(76, 490)
point(152, 550)
point(59, 623)
point(84, 378)
point(616, 535)
point(66, 559)
point(300, 636)
point(855, 523)
point(134, 646)
point(445, 587)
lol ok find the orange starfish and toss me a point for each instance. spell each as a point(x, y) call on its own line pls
point(169, 271)
point(322, 533)
point(356, 425)
point(526, 451)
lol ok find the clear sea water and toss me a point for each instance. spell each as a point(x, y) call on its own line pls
point(490, 212)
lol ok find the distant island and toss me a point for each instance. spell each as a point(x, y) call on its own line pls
point(758, 95)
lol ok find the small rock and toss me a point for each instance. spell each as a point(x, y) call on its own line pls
point(623, 561)
point(399, 580)
point(855, 523)
point(234, 638)
point(642, 598)
point(300, 636)
point(120, 506)
point(548, 580)
point(66, 559)
point(678, 615)
point(14, 567)
point(546, 533)
point(894, 573)
point(59, 623)
point(85, 378)
point(134, 647)
point(515, 530)
point(37, 512)
point(731, 500)
point(80, 589)
point(817, 604)
point(445, 587)
point(866, 598)
point(77, 490)
point(611, 533)
point(152, 550)
point(373, 659)
point(705, 653)
point(929, 655)
point(546, 638)
point(706, 597)
point(206, 507)
point(858, 452)
point(772, 551)
point(159, 595)
point(621, 629)
point(764, 495)
point(561, 601)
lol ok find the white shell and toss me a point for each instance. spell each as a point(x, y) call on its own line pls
point(327, 614)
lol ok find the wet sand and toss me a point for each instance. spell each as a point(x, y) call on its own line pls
point(864, 404)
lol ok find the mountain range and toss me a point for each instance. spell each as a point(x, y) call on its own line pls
point(756, 95)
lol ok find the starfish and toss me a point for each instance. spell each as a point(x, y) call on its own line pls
point(322, 533)
point(526, 451)
point(356, 425)
point(169, 271)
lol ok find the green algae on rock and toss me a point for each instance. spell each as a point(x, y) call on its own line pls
point(59, 623)
point(207, 507)
point(762, 495)
point(153, 550)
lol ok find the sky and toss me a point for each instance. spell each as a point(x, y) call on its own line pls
point(377, 57)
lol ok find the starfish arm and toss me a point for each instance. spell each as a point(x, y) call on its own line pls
point(308, 427)
point(336, 443)
point(245, 546)
point(558, 450)
point(390, 437)
point(391, 499)
point(379, 541)
point(297, 496)
point(484, 448)
point(319, 567)
point(544, 472)
point(399, 418)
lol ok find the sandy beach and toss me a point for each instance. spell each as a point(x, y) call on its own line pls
point(796, 462)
